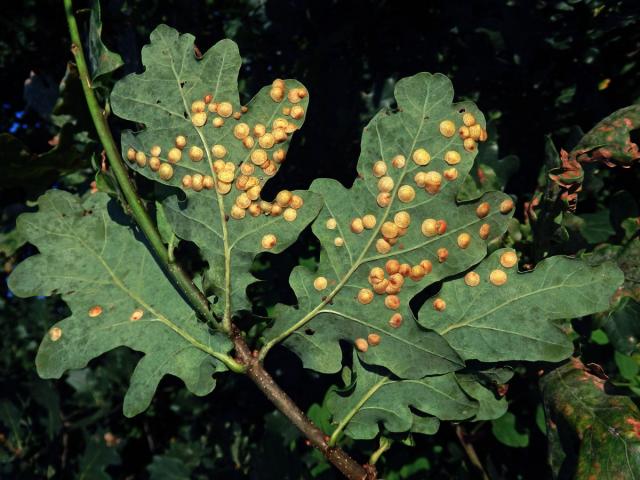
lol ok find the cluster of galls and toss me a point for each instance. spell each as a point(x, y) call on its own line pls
point(471, 132)
point(497, 276)
point(392, 231)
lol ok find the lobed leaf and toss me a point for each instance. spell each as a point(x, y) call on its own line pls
point(324, 317)
point(162, 98)
point(118, 296)
point(494, 321)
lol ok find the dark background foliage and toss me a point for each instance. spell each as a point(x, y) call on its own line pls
point(534, 67)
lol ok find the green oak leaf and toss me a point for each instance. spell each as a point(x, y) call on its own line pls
point(102, 61)
point(506, 432)
point(591, 434)
point(161, 98)
point(622, 326)
point(323, 318)
point(512, 321)
point(118, 296)
point(97, 457)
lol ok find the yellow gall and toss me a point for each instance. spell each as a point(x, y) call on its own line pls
point(331, 224)
point(433, 181)
point(212, 107)
point(241, 131)
point(369, 221)
point(392, 266)
point(254, 192)
point(283, 198)
point(439, 304)
point(208, 183)
point(221, 187)
point(247, 169)
point(365, 296)
point(267, 140)
point(389, 230)
point(442, 254)
point(406, 193)
point(402, 219)
point(373, 339)
point(450, 174)
point(447, 128)
point(286, 110)
point(338, 241)
point(296, 94)
point(165, 171)
point(508, 259)
point(392, 302)
point(483, 209)
point(276, 210)
point(199, 119)
point(95, 311)
point(225, 176)
point(405, 269)
point(380, 287)
point(243, 200)
point(218, 166)
point(472, 279)
point(269, 241)
point(244, 109)
point(498, 277)
point(361, 345)
point(421, 157)
point(269, 169)
point(131, 154)
point(427, 266)
point(225, 109)
point(259, 157)
point(463, 131)
point(141, 159)
point(136, 315)
point(266, 207)
point(357, 225)
point(399, 161)
point(441, 227)
point(297, 112)
point(277, 94)
point(468, 119)
point(396, 279)
point(320, 283)
point(154, 163)
point(187, 181)
point(155, 151)
point(259, 130)
point(429, 227)
point(484, 231)
point(382, 246)
point(197, 182)
point(219, 151)
point(237, 212)
point(55, 333)
point(279, 155)
point(289, 214)
point(385, 184)
point(174, 155)
point(217, 122)
point(248, 143)
point(469, 144)
point(421, 179)
point(198, 106)
point(483, 135)
point(254, 209)
point(417, 273)
point(280, 135)
point(207, 98)
point(464, 240)
point(196, 154)
point(376, 274)
point(279, 123)
point(506, 206)
point(383, 199)
point(395, 321)
point(278, 82)
point(296, 201)
point(180, 141)
point(475, 132)
point(452, 157)
point(379, 168)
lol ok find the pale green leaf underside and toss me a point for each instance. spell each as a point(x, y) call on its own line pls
point(377, 401)
point(89, 257)
point(324, 318)
point(161, 99)
point(512, 321)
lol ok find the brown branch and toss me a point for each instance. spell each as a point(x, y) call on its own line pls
point(256, 372)
point(470, 451)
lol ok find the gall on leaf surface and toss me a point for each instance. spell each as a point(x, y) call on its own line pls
point(513, 321)
point(162, 98)
point(324, 318)
point(118, 296)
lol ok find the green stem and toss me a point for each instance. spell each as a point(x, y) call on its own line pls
point(182, 281)
point(385, 444)
point(335, 436)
